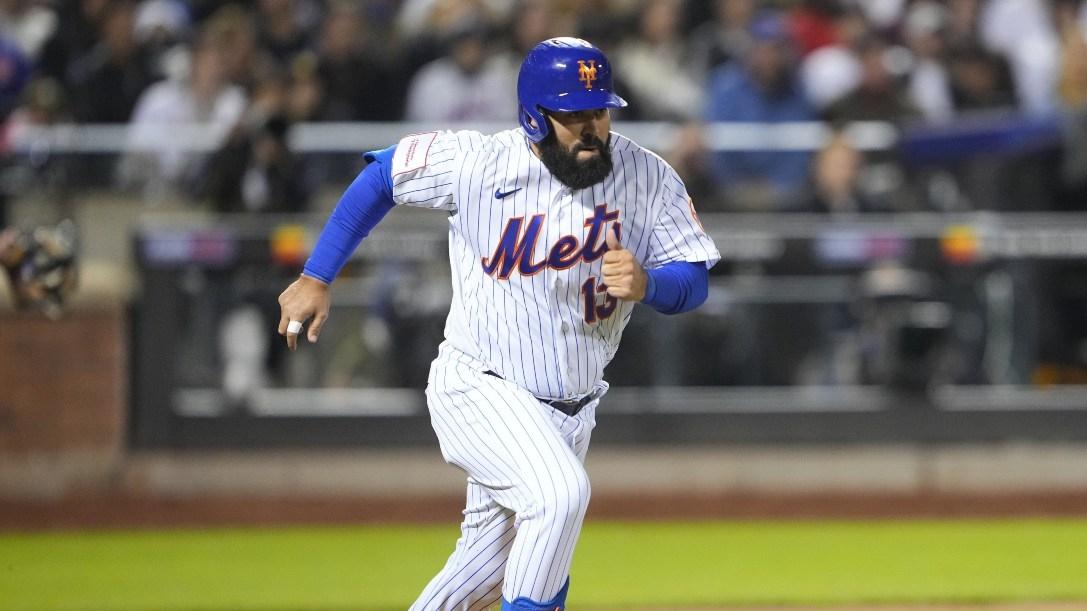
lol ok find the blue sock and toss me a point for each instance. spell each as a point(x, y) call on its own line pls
point(524, 604)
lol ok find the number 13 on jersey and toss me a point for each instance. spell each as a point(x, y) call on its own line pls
point(596, 312)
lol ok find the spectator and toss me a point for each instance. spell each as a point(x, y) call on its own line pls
point(15, 71)
point(467, 85)
point(763, 88)
point(206, 97)
point(306, 88)
point(161, 29)
point(812, 24)
point(78, 29)
point(161, 22)
point(833, 70)
point(963, 22)
point(980, 80)
point(1073, 97)
point(231, 30)
point(879, 96)
point(1022, 31)
point(107, 81)
point(256, 172)
point(656, 70)
point(835, 169)
point(929, 85)
point(585, 16)
point(358, 85)
point(443, 17)
point(1072, 88)
point(689, 158)
point(35, 168)
point(27, 24)
point(43, 104)
point(14, 76)
point(280, 32)
point(724, 39)
point(883, 15)
point(607, 35)
point(533, 21)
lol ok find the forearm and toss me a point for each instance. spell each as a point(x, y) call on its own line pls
point(365, 202)
point(677, 287)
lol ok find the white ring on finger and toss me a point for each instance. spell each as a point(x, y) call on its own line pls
point(294, 327)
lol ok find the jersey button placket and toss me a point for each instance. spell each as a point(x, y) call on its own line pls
point(560, 209)
point(560, 215)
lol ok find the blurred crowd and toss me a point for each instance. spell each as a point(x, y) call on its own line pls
point(985, 101)
point(251, 70)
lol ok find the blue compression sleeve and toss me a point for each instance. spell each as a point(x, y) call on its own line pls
point(360, 209)
point(677, 287)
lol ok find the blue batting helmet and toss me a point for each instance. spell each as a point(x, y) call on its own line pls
point(563, 75)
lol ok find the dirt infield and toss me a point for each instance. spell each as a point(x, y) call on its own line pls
point(157, 512)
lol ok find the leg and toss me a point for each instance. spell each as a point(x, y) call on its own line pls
point(526, 459)
point(472, 577)
point(575, 432)
point(548, 526)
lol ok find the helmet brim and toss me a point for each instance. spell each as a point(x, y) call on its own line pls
point(587, 99)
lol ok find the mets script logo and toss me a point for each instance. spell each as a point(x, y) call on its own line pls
point(517, 245)
point(586, 73)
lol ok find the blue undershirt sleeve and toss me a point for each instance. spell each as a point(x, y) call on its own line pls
point(677, 287)
point(365, 202)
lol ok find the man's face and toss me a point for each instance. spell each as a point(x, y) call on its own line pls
point(576, 150)
point(582, 132)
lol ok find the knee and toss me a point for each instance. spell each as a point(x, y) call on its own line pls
point(569, 498)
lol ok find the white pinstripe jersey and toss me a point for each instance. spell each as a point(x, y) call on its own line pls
point(526, 251)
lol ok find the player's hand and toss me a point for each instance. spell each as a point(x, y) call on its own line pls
point(304, 299)
point(624, 276)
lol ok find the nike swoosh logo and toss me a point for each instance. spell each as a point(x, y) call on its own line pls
point(498, 194)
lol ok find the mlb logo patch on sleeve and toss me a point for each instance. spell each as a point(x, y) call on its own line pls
point(411, 152)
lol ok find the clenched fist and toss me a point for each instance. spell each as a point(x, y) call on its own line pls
point(624, 276)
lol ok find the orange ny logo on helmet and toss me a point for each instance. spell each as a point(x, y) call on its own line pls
point(586, 73)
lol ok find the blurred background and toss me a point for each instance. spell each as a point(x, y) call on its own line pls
point(898, 189)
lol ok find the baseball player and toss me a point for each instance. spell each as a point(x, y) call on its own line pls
point(556, 231)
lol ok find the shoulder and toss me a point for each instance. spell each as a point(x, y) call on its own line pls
point(625, 150)
point(479, 144)
point(417, 150)
point(463, 140)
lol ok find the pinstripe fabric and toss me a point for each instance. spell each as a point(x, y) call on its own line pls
point(527, 485)
point(526, 255)
point(534, 329)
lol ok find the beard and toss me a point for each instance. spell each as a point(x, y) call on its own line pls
point(572, 172)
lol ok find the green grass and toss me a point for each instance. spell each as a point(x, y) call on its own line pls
point(617, 564)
